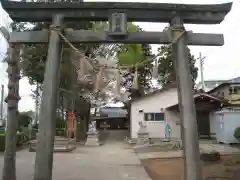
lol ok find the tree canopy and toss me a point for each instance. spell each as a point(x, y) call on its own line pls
point(35, 55)
point(166, 67)
point(25, 118)
point(132, 54)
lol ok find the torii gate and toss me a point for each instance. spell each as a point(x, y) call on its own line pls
point(175, 14)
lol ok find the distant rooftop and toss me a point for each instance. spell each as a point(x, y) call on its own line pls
point(211, 84)
point(110, 112)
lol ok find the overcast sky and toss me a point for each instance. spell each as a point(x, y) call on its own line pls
point(220, 63)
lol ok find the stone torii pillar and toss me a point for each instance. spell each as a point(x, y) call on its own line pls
point(47, 121)
point(186, 102)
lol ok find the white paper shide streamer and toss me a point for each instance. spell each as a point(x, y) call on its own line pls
point(84, 69)
point(135, 80)
point(118, 85)
point(155, 70)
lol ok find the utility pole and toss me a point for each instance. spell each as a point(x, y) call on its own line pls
point(201, 60)
point(2, 96)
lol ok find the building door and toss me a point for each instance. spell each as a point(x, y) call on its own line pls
point(203, 124)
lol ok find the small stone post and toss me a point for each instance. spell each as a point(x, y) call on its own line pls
point(143, 135)
point(92, 136)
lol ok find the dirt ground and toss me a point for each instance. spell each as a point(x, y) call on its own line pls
point(228, 168)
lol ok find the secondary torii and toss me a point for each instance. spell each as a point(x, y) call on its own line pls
point(117, 14)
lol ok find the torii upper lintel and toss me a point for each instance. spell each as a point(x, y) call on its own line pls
point(99, 11)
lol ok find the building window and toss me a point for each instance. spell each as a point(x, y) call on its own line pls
point(222, 94)
point(154, 117)
point(233, 90)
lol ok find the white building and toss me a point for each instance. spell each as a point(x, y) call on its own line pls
point(160, 110)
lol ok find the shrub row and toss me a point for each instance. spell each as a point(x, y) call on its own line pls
point(20, 138)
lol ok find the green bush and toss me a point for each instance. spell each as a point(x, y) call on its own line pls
point(63, 133)
point(24, 119)
point(19, 140)
point(2, 141)
point(237, 133)
point(60, 123)
point(60, 132)
point(2, 131)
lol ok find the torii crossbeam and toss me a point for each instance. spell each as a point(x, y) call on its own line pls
point(86, 36)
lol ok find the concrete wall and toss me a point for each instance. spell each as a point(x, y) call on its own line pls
point(225, 122)
point(212, 120)
point(154, 104)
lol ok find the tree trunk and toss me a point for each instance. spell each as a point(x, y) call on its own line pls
point(81, 129)
point(83, 112)
point(9, 168)
point(79, 136)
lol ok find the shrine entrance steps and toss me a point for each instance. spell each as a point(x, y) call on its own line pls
point(60, 145)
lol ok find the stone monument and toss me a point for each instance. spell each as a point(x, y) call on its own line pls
point(143, 134)
point(92, 135)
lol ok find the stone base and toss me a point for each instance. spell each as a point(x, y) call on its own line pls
point(143, 137)
point(143, 141)
point(177, 145)
point(92, 140)
point(166, 140)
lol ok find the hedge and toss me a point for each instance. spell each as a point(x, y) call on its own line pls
point(60, 132)
point(2, 140)
point(22, 138)
point(237, 133)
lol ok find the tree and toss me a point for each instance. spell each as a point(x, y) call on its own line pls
point(35, 55)
point(34, 59)
point(131, 54)
point(166, 66)
point(24, 118)
point(60, 123)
